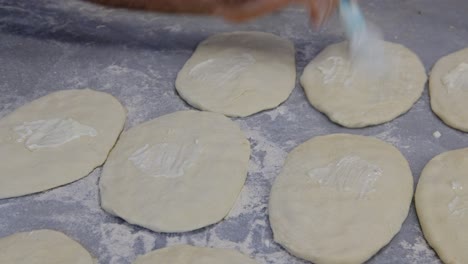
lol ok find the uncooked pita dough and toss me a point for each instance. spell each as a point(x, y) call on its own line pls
point(442, 205)
point(353, 97)
point(176, 173)
point(184, 254)
point(57, 139)
point(448, 86)
point(340, 198)
point(239, 73)
point(42, 247)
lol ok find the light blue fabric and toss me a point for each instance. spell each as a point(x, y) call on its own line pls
point(352, 17)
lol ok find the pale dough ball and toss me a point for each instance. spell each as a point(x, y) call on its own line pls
point(340, 198)
point(57, 139)
point(184, 254)
point(442, 205)
point(42, 247)
point(176, 173)
point(239, 73)
point(448, 87)
point(354, 97)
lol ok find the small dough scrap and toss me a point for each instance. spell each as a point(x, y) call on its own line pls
point(340, 198)
point(42, 247)
point(176, 173)
point(442, 205)
point(57, 139)
point(354, 98)
point(448, 87)
point(239, 73)
point(185, 254)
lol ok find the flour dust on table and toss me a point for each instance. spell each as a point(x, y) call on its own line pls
point(185, 254)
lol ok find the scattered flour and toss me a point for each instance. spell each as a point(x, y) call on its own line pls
point(419, 250)
point(391, 135)
point(118, 242)
point(281, 111)
point(82, 192)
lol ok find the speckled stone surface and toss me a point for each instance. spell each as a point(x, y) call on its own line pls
point(49, 45)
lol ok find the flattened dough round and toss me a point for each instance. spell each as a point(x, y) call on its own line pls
point(340, 198)
point(354, 98)
point(42, 247)
point(57, 139)
point(442, 205)
point(448, 87)
point(176, 173)
point(239, 73)
point(184, 254)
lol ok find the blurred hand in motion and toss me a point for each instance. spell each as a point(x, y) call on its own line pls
point(232, 10)
point(320, 10)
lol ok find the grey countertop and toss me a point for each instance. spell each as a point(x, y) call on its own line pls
point(49, 45)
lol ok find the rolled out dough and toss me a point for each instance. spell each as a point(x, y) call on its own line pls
point(353, 97)
point(176, 173)
point(340, 198)
point(239, 73)
point(184, 254)
point(442, 205)
point(448, 87)
point(42, 247)
point(57, 139)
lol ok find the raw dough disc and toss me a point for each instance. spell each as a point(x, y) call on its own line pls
point(57, 139)
point(184, 254)
point(176, 173)
point(239, 73)
point(448, 87)
point(340, 198)
point(42, 247)
point(442, 205)
point(354, 98)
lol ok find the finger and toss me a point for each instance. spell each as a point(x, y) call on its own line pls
point(321, 10)
point(252, 9)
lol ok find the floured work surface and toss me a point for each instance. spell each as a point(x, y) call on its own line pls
point(52, 45)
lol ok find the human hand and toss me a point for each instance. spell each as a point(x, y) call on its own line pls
point(232, 10)
point(319, 10)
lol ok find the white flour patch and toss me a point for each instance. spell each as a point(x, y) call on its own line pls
point(83, 192)
point(283, 111)
point(118, 243)
point(265, 164)
point(249, 201)
point(173, 28)
point(272, 161)
point(211, 239)
point(391, 135)
point(419, 252)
